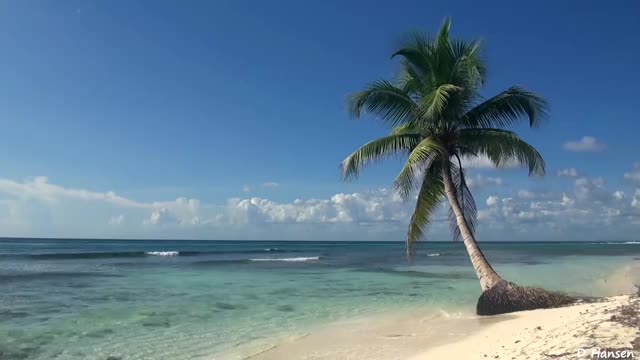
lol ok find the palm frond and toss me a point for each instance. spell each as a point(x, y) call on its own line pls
point(406, 128)
point(507, 109)
point(443, 53)
point(442, 38)
point(502, 147)
point(416, 51)
point(469, 68)
point(430, 195)
point(411, 80)
point(433, 105)
point(376, 150)
point(391, 104)
point(466, 201)
point(427, 151)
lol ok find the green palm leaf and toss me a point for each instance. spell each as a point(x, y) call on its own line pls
point(469, 68)
point(376, 150)
point(434, 103)
point(506, 109)
point(406, 128)
point(427, 151)
point(430, 195)
point(417, 53)
point(390, 103)
point(502, 147)
point(466, 200)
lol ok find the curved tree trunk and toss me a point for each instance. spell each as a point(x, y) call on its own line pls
point(487, 276)
point(498, 296)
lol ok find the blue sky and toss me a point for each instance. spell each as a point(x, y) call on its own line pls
point(209, 120)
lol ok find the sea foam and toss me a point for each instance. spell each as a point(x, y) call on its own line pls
point(163, 253)
point(294, 259)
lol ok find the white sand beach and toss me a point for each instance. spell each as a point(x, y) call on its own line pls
point(539, 334)
point(570, 332)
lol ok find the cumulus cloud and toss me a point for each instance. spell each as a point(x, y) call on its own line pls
point(382, 205)
point(35, 203)
point(162, 216)
point(483, 162)
point(569, 172)
point(116, 220)
point(40, 189)
point(635, 202)
point(480, 180)
point(586, 144)
point(619, 195)
point(589, 206)
point(526, 194)
point(634, 174)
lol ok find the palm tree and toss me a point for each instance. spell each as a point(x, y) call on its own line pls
point(438, 119)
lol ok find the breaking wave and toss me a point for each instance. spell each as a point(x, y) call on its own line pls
point(293, 259)
point(136, 254)
point(163, 253)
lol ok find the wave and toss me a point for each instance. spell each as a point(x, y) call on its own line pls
point(104, 255)
point(434, 254)
point(294, 259)
point(163, 253)
point(617, 243)
point(136, 254)
point(50, 275)
point(86, 255)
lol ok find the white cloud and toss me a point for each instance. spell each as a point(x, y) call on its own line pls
point(246, 188)
point(635, 202)
point(39, 188)
point(481, 181)
point(162, 216)
point(634, 174)
point(483, 162)
point(116, 220)
point(569, 172)
point(586, 144)
point(526, 194)
point(270, 184)
point(589, 208)
point(376, 206)
point(35, 207)
point(492, 200)
point(619, 195)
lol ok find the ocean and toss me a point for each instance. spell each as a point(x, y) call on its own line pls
point(143, 299)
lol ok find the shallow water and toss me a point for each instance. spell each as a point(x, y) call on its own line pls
point(82, 299)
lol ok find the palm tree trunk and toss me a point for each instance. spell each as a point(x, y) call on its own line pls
point(487, 276)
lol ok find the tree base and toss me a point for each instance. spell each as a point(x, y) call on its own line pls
point(506, 297)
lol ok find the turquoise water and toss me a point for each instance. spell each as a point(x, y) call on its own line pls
point(103, 299)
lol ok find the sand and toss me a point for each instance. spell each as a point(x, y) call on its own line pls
point(539, 334)
point(572, 332)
